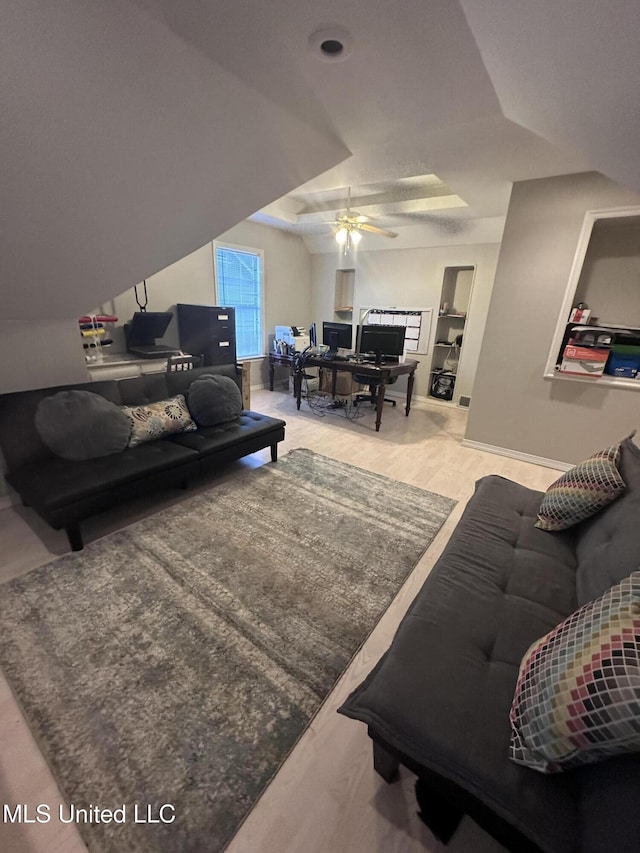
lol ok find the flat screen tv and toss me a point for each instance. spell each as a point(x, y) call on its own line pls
point(337, 335)
point(382, 341)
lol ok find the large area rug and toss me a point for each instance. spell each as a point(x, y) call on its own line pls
point(178, 661)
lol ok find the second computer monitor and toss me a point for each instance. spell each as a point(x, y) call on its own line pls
point(337, 335)
point(382, 341)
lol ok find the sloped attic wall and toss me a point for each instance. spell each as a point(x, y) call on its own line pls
point(124, 149)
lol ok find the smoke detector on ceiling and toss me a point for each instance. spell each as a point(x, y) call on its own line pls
point(331, 44)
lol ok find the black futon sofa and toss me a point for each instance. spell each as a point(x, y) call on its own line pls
point(64, 492)
point(438, 701)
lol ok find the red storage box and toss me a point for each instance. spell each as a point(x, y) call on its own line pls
point(584, 361)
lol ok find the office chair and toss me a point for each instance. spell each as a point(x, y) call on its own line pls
point(183, 362)
point(373, 390)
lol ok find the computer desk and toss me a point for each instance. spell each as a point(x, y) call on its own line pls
point(379, 373)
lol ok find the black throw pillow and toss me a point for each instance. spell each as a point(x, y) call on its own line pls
point(214, 400)
point(81, 425)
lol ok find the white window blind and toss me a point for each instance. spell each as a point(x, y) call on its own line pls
point(239, 286)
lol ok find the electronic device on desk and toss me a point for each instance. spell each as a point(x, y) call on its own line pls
point(336, 336)
point(381, 344)
point(295, 337)
point(143, 330)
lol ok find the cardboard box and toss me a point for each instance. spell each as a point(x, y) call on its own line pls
point(345, 383)
point(584, 361)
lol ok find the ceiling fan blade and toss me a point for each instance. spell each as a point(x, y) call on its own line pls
point(375, 229)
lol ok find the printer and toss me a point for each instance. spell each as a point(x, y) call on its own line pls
point(295, 337)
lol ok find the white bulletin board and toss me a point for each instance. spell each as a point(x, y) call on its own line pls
point(417, 320)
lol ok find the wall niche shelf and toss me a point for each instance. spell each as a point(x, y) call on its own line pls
point(455, 298)
point(604, 275)
point(343, 294)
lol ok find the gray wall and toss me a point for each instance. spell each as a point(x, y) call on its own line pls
point(513, 406)
point(43, 354)
point(610, 278)
point(126, 149)
point(412, 278)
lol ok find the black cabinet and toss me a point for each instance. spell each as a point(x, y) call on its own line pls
point(208, 331)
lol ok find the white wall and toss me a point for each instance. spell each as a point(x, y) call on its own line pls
point(513, 406)
point(412, 278)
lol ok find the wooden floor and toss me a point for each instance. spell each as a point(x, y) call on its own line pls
point(326, 798)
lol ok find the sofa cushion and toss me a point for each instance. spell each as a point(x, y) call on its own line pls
point(208, 440)
point(157, 420)
point(577, 700)
point(58, 482)
point(582, 491)
point(608, 545)
point(441, 695)
point(81, 425)
point(214, 400)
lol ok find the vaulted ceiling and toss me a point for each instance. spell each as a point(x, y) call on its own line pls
point(134, 131)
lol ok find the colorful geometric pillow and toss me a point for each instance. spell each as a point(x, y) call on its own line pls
point(577, 699)
point(157, 420)
point(582, 491)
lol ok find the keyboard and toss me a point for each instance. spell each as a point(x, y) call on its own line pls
point(389, 359)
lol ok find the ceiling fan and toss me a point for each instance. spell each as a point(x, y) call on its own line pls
point(348, 227)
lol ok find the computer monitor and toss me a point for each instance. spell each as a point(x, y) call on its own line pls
point(382, 341)
point(337, 335)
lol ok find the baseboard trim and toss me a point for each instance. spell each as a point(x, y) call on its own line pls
point(517, 454)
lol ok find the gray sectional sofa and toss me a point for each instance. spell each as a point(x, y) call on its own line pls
point(65, 491)
point(438, 701)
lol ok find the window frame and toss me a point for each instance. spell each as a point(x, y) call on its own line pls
point(250, 250)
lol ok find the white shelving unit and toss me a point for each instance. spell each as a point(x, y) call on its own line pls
point(449, 332)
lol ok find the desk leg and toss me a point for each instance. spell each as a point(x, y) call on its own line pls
point(334, 377)
point(409, 392)
point(379, 405)
point(297, 385)
point(272, 370)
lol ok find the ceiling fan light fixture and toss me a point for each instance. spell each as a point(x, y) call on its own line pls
point(356, 236)
point(341, 235)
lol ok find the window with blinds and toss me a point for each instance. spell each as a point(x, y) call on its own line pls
point(239, 286)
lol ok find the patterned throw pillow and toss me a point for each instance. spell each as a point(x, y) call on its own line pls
point(577, 699)
point(156, 420)
point(582, 491)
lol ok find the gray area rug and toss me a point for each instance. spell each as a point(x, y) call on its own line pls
point(179, 660)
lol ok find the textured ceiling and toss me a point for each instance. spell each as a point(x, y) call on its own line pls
point(136, 130)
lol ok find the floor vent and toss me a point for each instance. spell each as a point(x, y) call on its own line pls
point(464, 401)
